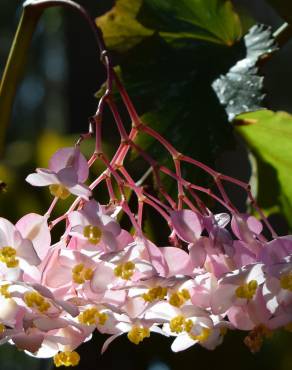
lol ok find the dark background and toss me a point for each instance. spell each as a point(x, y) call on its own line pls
point(52, 106)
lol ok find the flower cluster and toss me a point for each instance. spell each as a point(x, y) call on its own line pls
point(218, 273)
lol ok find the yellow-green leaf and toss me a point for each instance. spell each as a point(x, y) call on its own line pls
point(269, 136)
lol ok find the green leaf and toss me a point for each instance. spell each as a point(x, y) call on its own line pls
point(269, 136)
point(283, 7)
point(210, 20)
point(130, 21)
point(120, 28)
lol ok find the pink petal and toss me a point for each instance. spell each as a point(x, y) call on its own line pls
point(30, 343)
point(182, 342)
point(198, 253)
point(239, 317)
point(27, 252)
point(178, 261)
point(68, 177)
point(43, 177)
point(187, 224)
point(156, 258)
point(80, 190)
point(109, 341)
point(102, 277)
point(222, 298)
point(35, 228)
point(70, 157)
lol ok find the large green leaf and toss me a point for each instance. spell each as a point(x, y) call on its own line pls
point(211, 20)
point(130, 21)
point(269, 136)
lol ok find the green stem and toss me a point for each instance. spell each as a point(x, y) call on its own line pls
point(14, 67)
point(32, 10)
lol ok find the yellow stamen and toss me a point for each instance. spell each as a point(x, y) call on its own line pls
point(59, 191)
point(66, 358)
point(137, 334)
point(80, 274)
point(91, 315)
point(92, 233)
point(125, 270)
point(8, 256)
point(203, 336)
point(286, 281)
point(247, 291)
point(36, 300)
point(155, 293)
point(2, 328)
point(4, 291)
point(177, 299)
point(177, 324)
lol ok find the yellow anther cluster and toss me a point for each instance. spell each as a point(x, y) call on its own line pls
point(8, 256)
point(137, 334)
point(247, 290)
point(177, 324)
point(59, 191)
point(36, 300)
point(203, 336)
point(286, 281)
point(125, 270)
point(91, 316)
point(66, 358)
point(4, 291)
point(2, 328)
point(155, 293)
point(179, 298)
point(80, 274)
point(92, 233)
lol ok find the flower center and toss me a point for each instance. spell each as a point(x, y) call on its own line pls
point(80, 273)
point(179, 324)
point(4, 291)
point(177, 299)
point(92, 233)
point(36, 300)
point(247, 290)
point(59, 191)
point(66, 358)
point(91, 315)
point(137, 334)
point(125, 270)
point(154, 293)
point(8, 256)
point(286, 281)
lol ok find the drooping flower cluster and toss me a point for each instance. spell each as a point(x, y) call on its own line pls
point(219, 273)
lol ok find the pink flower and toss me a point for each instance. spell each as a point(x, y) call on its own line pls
point(16, 253)
point(68, 170)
